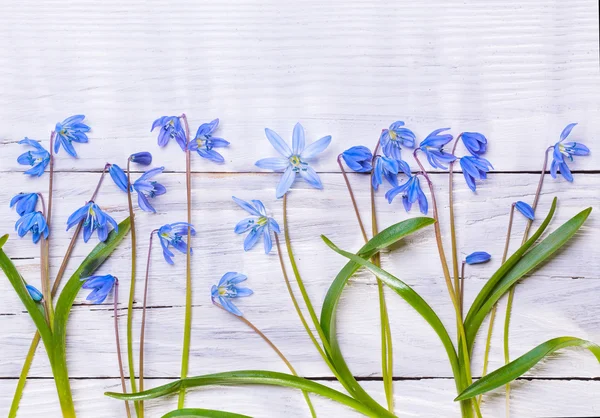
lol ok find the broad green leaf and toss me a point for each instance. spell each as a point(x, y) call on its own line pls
point(205, 413)
point(247, 377)
point(528, 262)
point(3, 240)
point(518, 367)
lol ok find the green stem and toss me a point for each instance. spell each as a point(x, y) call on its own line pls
point(187, 329)
point(45, 244)
point(452, 220)
point(118, 343)
point(143, 326)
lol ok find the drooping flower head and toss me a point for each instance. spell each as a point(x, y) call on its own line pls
point(171, 235)
point(35, 223)
point(25, 203)
point(433, 146)
point(35, 294)
point(101, 287)
point(294, 160)
point(93, 219)
point(38, 158)
point(566, 149)
point(204, 142)
point(259, 224)
point(392, 138)
point(142, 158)
point(228, 289)
point(474, 168)
point(147, 188)
point(385, 168)
point(70, 130)
point(411, 192)
point(478, 257)
point(170, 128)
point(475, 143)
point(525, 209)
point(359, 159)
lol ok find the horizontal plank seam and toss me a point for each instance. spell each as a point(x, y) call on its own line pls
point(584, 171)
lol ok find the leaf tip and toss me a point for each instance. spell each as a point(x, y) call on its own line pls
point(3, 240)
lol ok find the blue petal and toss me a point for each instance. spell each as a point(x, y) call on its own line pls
point(119, 177)
point(525, 209)
point(478, 257)
point(211, 155)
point(287, 179)
point(311, 177)
point(565, 133)
point(35, 294)
point(274, 163)
point(150, 173)
point(246, 206)
point(144, 203)
point(316, 147)
point(244, 225)
point(229, 306)
point(77, 216)
point(268, 243)
point(298, 139)
point(252, 238)
point(278, 143)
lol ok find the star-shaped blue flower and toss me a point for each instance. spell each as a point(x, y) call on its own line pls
point(228, 289)
point(204, 142)
point(392, 138)
point(25, 203)
point(70, 130)
point(567, 149)
point(38, 159)
point(93, 219)
point(433, 146)
point(171, 235)
point(259, 224)
point(101, 287)
point(170, 128)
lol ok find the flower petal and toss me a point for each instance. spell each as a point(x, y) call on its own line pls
point(298, 139)
point(278, 143)
point(273, 163)
point(311, 177)
point(316, 147)
point(289, 175)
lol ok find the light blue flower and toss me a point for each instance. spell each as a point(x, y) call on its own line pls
point(93, 219)
point(259, 224)
point(525, 209)
point(359, 159)
point(384, 168)
point(294, 160)
point(474, 168)
point(35, 294)
point(567, 149)
point(142, 158)
point(170, 128)
point(478, 257)
point(25, 202)
point(392, 138)
point(35, 223)
point(475, 143)
point(70, 130)
point(204, 142)
point(119, 177)
point(433, 145)
point(147, 188)
point(171, 235)
point(101, 287)
point(411, 193)
point(38, 159)
point(228, 289)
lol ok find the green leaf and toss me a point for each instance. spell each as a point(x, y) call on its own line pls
point(3, 240)
point(206, 413)
point(528, 262)
point(246, 377)
point(518, 367)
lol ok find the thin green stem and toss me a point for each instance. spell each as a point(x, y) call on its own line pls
point(143, 326)
point(452, 221)
point(187, 329)
point(45, 244)
point(353, 199)
point(118, 343)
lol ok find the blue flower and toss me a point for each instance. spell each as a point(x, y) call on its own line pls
point(359, 159)
point(227, 289)
point(71, 130)
point(148, 189)
point(478, 257)
point(142, 158)
point(525, 209)
point(172, 235)
point(294, 160)
point(475, 143)
point(35, 294)
point(474, 168)
point(26, 203)
point(35, 223)
point(38, 159)
point(170, 128)
point(204, 142)
point(433, 145)
point(385, 168)
point(258, 224)
point(568, 149)
point(392, 138)
point(100, 285)
point(93, 219)
point(119, 177)
point(411, 193)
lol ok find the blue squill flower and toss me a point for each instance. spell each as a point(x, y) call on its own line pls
point(478, 257)
point(392, 138)
point(228, 289)
point(146, 188)
point(294, 160)
point(170, 128)
point(475, 143)
point(142, 158)
point(359, 159)
point(204, 142)
point(119, 177)
point(100, 285)
point(93, 219)
point(35, 223)
point(38, 159)
point(567, 149)
point(433, 145)
point(411, 193)
point(259, 224)
point(171, 235)
point(474, 168)
point(35, 294)
point(25, 202)
point(70, 130)
point(525, 209)
point(385, 168)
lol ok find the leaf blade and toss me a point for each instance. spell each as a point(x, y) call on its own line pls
point(205, 413)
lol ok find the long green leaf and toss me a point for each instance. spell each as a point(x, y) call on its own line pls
point(246, 377)
point(205, 413)
point(528, 262)
point(518, 367)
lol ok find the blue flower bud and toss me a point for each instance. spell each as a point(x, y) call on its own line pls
point(143, 158)
point(475, 143)
point(35, 294)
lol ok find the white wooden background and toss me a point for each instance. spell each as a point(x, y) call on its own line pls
point(518, 71)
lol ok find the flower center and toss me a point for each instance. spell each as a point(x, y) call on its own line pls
point(295, 161)
point(262, 221)
point(393, 135)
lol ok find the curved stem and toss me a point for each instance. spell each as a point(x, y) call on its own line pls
point(119, 359)
point(143, 326)
point(187, 330)
point(352, 198)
